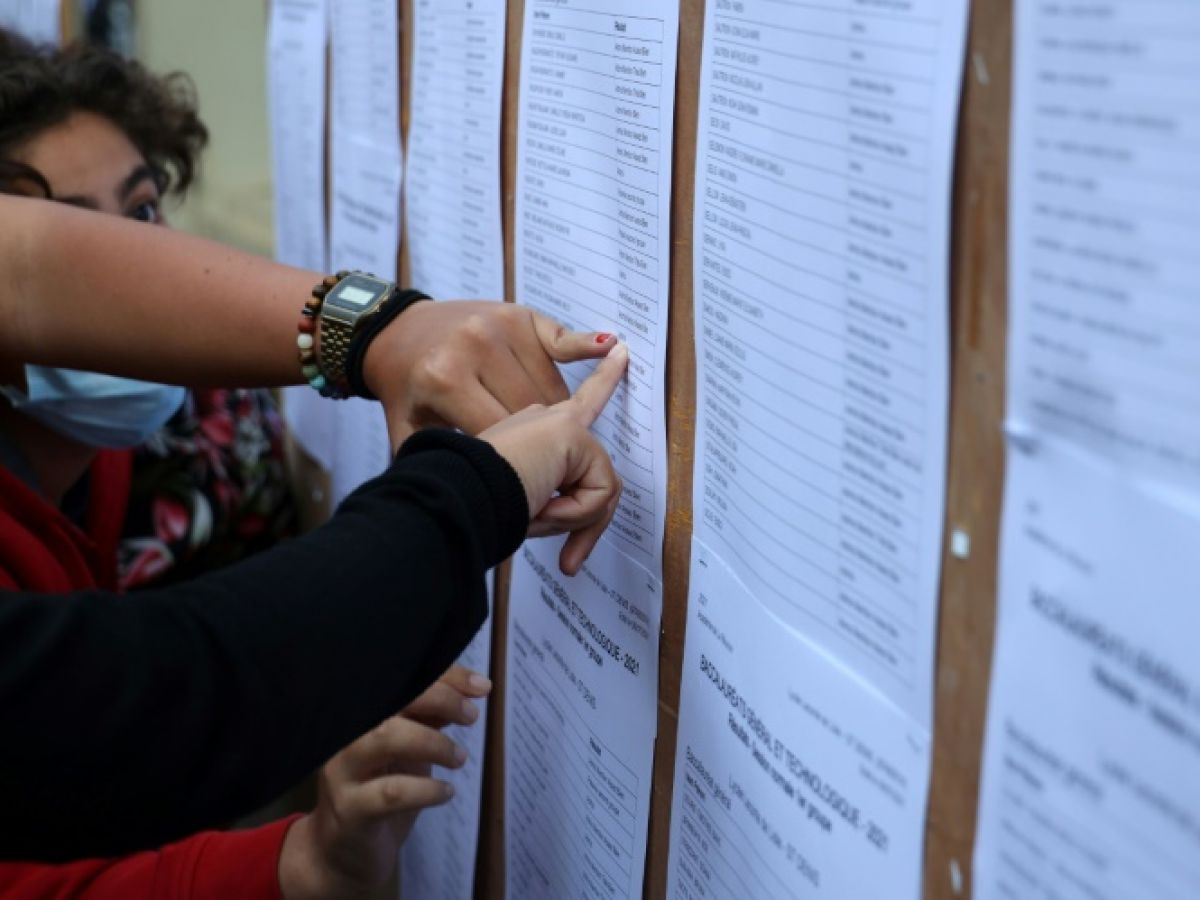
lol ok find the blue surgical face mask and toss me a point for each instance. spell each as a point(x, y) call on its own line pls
point(101, 411)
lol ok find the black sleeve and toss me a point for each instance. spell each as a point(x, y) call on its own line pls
point(132, 721)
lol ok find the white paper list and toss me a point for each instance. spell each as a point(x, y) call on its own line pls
point(791, 780)
point(1091, 775)
point(1091, 768)
point(821, 264)
point(364, 145)
point(594, 139)
point(456, 249)
point(593, 216)
point(1104, 345)
point(296, 38)
point(821, 254)
point(452, 195)
point(580, 718)
point(438, 858)
point(364, 214)
point(296, 77)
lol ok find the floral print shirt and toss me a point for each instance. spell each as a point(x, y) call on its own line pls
point(208, 489)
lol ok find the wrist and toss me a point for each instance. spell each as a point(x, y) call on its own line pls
point(362, 364)
point(304, 871)
point(485, 479)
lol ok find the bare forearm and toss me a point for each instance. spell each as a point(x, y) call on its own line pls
point(82, 290)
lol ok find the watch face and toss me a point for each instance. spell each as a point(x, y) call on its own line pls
point(356, 292)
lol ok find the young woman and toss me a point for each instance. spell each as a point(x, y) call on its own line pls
point(190, 704)
point(85, 127)
point(67, 130)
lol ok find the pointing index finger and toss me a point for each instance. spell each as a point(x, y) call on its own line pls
point(596, 390)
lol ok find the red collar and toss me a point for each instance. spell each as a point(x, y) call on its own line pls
point(41, 550)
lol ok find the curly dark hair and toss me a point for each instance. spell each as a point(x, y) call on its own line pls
point(41, 86)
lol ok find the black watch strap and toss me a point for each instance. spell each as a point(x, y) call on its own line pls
point(392, 307)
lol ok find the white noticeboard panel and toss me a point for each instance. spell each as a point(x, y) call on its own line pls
point(456, 249)
point(821, 262)
point(1091, 768)
point(593, 198)
point(297, 36)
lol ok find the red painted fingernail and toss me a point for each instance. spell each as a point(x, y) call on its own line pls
point(603, 337)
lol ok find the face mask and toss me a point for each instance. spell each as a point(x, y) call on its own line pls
point(93, 409)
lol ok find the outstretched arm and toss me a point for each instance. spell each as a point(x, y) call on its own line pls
point(147, 717)
point(83, 290)
point(87, 291)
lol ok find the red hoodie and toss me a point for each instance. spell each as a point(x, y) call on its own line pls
point(42, 551)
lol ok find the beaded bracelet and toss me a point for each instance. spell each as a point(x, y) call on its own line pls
point(306, 339)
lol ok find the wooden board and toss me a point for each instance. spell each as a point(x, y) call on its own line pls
point(405, 15)
point(489, 871)
point(976, 462)
point(681, 431)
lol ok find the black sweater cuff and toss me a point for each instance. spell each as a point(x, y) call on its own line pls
point(490, 483)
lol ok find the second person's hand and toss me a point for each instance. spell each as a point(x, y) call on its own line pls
point(370, 794)
point(568, 476)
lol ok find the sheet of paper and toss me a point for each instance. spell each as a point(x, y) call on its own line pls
point(452, 198)
point(821, 260)
point(1105, 205)
point(593, 232)
point(580, 720)
point(438, 859)
point(39, 21)
point(364, 146)
point(594, 143)
point(364, 215)
point(791, 780)
point(456, 248)
point(296, 39)
point(823, 169)
point(361, 448)
point(1091, 780)
point(312, 422)
point(297, 33)
point(364, 226)
point(1091, 769)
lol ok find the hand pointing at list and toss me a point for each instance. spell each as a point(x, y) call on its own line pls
point(552, 450)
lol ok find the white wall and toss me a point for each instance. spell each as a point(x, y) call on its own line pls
point(222, 45)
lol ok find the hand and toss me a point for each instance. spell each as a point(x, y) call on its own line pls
point(448, 700)
point(552, 450)
point(468, 364)
point(369, 795)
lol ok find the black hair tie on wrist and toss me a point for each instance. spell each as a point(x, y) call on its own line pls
point(392, 307)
